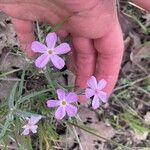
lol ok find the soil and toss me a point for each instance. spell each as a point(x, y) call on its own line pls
point(131, 94)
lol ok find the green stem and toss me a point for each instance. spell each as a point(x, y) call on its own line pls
point(49, 79)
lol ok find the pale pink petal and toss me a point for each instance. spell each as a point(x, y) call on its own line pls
point(57, 61)
point(34, 119)
point(25, 131)
point(61, 94)
point(92, 83)
point(62, 48)
point(101, 84)
point(34, 129)
point(89, 92)
point(51, 40)
point(53, 103)
point(38, 47)
point(60, 113)
point(103, 96)
point(95, 102)
point(42, 60)
point(71, 110)
point(71, 97)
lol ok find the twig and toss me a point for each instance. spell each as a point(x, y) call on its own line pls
point(9, 147)
point(142, 90)
point(131, 83)
point(111, 141)
point(78, 140)
point(10, 79)
point(136, 6)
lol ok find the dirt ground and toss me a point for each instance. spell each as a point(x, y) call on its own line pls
point(125, 120)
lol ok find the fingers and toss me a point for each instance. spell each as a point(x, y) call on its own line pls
point(110, 51)
point(84, 56)
point(24, 30)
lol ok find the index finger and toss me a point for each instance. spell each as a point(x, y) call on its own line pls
point(110, 52)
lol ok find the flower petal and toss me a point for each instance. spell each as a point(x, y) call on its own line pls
point(71, 110)
point(95, 102)
point(38, 47)
point(53, 103)
point(42, 60)
point(60, 113)
point(61, 94)
point(103, 96)
point(34, 129)
point(62, 48)
point(25, 131)
point(34, 119)
point(101, 84)
point(92, 83)
point(71, 97)
point(89, 92)
point(51, 40)
point(57, 61)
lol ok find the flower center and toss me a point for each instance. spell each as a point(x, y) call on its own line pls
point(96, 91)
point(29, 125)
point(50, 51)
point(63, 102)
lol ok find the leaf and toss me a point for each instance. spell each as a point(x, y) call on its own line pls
point(28, 97)
point(24, 114)
point(134, 122)
point(21, 84)
point(11, 98)
point(4, 129)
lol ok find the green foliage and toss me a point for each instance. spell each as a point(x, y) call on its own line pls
point(134, 122)
point(18, 106)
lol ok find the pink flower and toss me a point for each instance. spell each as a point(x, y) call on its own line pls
point(64, 104)
point(50, 52)
point(31, 125)
point(95, 89)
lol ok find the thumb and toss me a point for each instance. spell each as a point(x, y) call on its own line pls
point(24, 30)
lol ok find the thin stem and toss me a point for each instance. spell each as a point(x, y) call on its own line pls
point(77, 138)
point(131, 83)
point(49, 79)
point(111, 141)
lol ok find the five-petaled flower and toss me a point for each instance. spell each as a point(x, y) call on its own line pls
point(64, 104)
point(31, 125)
point(50, 52)
point(95, 89)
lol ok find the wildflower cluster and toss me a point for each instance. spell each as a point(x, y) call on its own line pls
point(66, 101)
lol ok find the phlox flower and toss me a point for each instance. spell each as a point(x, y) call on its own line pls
point(64, 104)
point(50, 52)
point(31, 125)
point(95, 89)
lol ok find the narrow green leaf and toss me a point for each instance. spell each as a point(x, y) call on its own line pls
point(4, 129)
point(28, 97)
point(10, 72)
point(11, 98)
point(24, 114)
point(21, 84)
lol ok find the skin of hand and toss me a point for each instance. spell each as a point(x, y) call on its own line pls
point(93, 25)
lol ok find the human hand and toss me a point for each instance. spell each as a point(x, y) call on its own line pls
point(94, 27)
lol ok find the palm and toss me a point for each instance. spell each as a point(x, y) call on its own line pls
point(92, 27)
